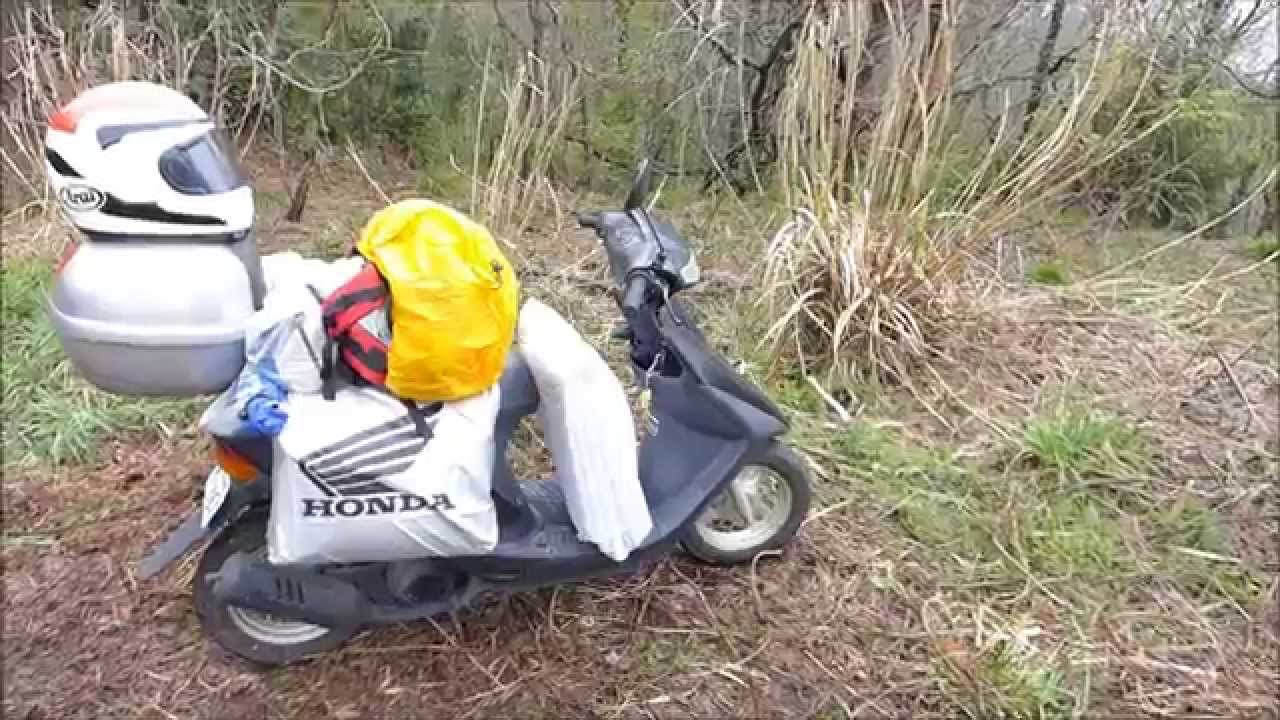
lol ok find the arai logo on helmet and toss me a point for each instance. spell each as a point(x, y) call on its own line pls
point(82, 198)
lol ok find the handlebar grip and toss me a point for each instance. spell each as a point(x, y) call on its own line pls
point(588, 220)
point(633, 296)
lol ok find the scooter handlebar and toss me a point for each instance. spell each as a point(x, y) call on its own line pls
point(634, 295)
point(588, 220)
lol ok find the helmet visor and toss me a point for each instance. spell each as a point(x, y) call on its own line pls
point(206, 165)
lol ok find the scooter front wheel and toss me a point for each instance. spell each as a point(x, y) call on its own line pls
point(258, 637)
point(761, 510)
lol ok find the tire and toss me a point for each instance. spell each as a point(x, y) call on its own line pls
point(247, 633)
point(724, 549)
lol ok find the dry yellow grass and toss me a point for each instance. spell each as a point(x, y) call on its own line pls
point(892, 199)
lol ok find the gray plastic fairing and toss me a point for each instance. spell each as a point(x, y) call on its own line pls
point(519, 400)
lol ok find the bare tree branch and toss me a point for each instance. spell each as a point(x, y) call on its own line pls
point(1244, 84)
point(991, 30)
point(1043, 65)
point(506, 27)
point(729, 56)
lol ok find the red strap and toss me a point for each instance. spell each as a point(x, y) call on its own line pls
point(360, 349)
point(362, 294)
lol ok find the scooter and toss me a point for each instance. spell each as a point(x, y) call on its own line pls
point(716, 478)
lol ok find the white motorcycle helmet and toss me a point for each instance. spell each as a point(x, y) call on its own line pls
point(141, 160)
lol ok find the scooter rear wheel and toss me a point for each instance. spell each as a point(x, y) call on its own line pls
point(258, 637)
point(761, 510)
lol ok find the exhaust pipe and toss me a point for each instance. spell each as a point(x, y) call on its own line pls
point(288, 593)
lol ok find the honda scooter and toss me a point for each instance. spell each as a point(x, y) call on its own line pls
point(716, 478)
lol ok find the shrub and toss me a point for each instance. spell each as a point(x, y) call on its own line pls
point(1194, 141)
point(870, 269)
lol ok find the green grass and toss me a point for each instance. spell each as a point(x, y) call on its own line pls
point(995, 541)
point(1003, 682)
point(664, 656)
point(1077, 442)
point(1072, 217)
point(796, 395)
point(1190, 523)
point(273, 199)
point(1072, 537)
point(337, 236)
point(1262, 248)
point(1048, 272)
point(1199, 553)
point(1001, 524)
point(935, 499)
point(51, 415)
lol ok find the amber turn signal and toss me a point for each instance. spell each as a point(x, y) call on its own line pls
point(235, 464)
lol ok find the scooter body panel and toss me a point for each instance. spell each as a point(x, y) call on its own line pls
point(705, 424)
point(519, 399)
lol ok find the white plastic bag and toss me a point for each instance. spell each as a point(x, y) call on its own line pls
point(290, 268)
point(290, 318)
point(293, 283)
point(354, 481)
point(587, 425)
point(287, 335)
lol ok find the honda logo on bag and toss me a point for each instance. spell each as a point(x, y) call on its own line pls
point(82, 198)
point(349, 473)
point(350, 507)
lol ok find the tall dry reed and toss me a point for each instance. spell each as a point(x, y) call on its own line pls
point(892, 198)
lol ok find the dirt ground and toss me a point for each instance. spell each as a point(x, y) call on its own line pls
point(852, 620)
point(815, 633)
point(84, 638)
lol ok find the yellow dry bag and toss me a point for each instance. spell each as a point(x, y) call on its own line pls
point(454, 300)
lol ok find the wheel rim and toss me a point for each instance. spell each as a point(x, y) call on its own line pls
point(729, 528)
point(269, 629)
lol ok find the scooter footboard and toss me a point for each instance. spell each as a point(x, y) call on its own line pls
point(696, 439)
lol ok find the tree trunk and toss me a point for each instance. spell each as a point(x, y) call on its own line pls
point(298, 198)
point(538, 72)
point(1043, 65)
point(622, 16)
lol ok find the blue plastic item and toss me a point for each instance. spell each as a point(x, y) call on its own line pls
point(264, 417)
point(252, 406)
point(259, 392)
